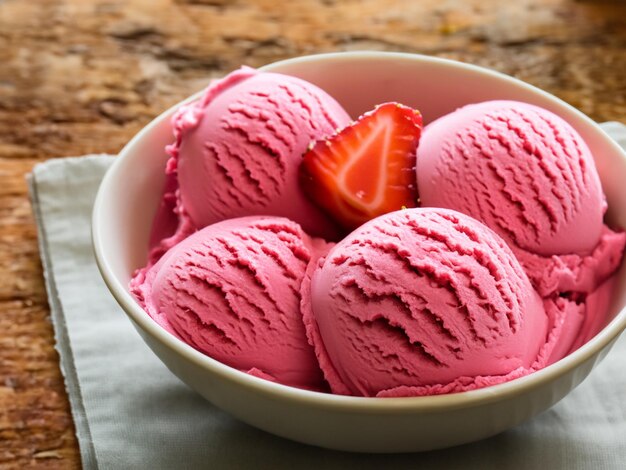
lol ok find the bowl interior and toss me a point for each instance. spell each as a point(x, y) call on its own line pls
point(131, 191)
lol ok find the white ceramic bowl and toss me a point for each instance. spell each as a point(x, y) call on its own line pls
point(128, 199)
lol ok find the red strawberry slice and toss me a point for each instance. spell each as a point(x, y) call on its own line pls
point(366, 169)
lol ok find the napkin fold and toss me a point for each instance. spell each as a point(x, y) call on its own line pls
point(131, 412)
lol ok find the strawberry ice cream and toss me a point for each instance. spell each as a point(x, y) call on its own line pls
point(506, 268)
point(519, 169)
point(232, 291)
point(528, 175)
point(423, 301)
point(237, 152)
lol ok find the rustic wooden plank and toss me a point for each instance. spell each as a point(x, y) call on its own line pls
point(35, 423)
point(82, 76)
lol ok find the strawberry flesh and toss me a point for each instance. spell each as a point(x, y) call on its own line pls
point(366, 169)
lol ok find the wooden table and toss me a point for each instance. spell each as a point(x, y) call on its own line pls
point(80, 76)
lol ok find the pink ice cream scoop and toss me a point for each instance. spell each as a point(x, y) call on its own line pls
point(520, 169)
point(232, 291)
point(237, 152)
point(420, 302)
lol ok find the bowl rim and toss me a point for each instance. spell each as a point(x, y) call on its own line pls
point(372, 405)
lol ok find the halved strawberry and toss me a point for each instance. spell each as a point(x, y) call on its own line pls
point(366, 169)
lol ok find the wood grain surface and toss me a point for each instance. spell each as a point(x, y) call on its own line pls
point(80, 76)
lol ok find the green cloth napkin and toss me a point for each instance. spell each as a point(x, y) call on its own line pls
point(131, 412)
